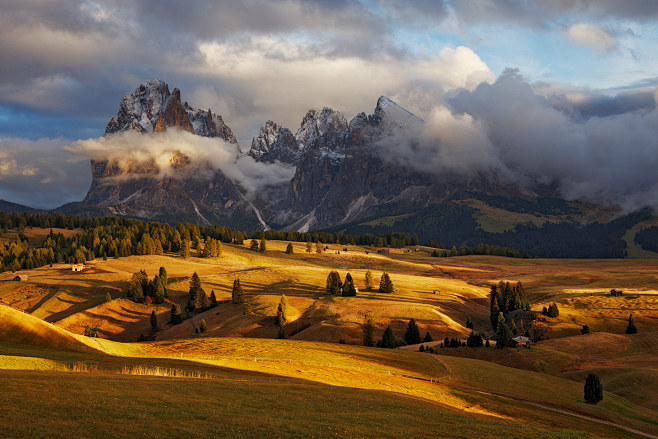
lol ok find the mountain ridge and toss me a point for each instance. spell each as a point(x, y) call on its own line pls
point(344, 180)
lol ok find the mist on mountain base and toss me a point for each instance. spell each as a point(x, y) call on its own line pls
point(507, 131)
point(179, 154)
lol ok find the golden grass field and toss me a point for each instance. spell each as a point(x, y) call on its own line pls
point(393, 391)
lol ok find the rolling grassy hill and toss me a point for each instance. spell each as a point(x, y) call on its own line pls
point(255, 387)
point(257, 382)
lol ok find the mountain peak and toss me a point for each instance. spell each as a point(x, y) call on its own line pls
point(393, 115)
point(152, 107)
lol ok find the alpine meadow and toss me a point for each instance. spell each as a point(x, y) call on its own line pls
point(359, 219)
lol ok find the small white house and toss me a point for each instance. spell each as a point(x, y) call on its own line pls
point(21, 278)
point(77, 267)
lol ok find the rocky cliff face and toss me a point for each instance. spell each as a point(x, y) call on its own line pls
point(192, 191)
point(342, 172)
point(275, 142)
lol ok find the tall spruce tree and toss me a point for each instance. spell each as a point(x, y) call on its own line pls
point(159, 290)
point(369, 281)
point(631, 328)
point(333, 283)
point(428, 338)
point(176, 314)
point(289, 249)
point(194, 292)
point(412, 334)
point(348, 286)
point(162, 274)
point(262, 247)
point(282, 312)
point(237, 295)
point(593, 389)
point(388, 340)
point(503, 333)
point(385, 284)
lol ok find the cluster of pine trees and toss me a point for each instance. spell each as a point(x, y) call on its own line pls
point(389, 340)
point(104, 237)
point(335, 286)
point(505, 299)
point(143, 290)
point(198, 301)
point(551, 311)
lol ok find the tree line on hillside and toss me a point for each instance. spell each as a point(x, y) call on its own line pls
point(115, 237)
point(456, 224)
point(647, 238)
point(108, 237)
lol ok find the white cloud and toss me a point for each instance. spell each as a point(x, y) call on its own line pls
point(131, 149)
point(282, 80)
point(591, 36)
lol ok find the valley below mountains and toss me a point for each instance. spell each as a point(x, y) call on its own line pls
point(334, 174)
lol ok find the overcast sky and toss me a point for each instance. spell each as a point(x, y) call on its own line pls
point(66, 65)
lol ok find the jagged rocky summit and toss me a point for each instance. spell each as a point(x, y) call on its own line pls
point(345, 179)
point(138, 189)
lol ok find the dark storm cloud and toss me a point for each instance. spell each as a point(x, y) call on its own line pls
point(507, 130)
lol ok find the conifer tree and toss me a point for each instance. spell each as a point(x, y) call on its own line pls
point(348, 286)
point(631, 328)
point(282, 312)
point(412, 334)
point(162, 274)
point(237, 295)
point(385, 284)
point(185, 250)
point(289, 249)
point(388, 340)
point(159, 290)
point(593, 389)
point(368, 329)
point(263, 246)
point(213, 298)
point(108, 297)
point(202, 301)
point(309, 247)
point(319, 247)
point(469, 322)
point(203, 326)
point(333, 283)
point(370, 282)
point(503, 334)
point(553, 311)
point(195, 291)
point(253, 245)
point(246, 307)
point(154, 321)
point(428, 338)
point(176, 314)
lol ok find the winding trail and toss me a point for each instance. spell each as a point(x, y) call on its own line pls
point(549, 407)
point(568, 412)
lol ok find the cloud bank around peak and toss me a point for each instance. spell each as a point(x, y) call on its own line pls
point(205, 156)
point(507, 130)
